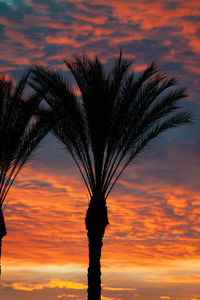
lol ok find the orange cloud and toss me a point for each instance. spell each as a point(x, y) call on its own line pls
point(118, 289)
point(67, 296)
point(153, 222)
point(55, 283)
point(60, 40)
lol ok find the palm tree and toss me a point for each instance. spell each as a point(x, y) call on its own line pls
point(117, 115)
point(20, 133)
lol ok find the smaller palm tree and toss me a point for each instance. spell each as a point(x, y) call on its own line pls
point(22, 127)
point(118, 114)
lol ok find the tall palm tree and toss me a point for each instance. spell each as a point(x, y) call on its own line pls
point(117, 115)
point(22, 127)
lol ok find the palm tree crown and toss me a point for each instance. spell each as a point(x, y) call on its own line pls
point(20, 133)
point(118, 115)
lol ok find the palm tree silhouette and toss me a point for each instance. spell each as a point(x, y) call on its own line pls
point(22, 127)
point(118, 114)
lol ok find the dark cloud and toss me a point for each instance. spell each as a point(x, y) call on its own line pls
point(34, 184)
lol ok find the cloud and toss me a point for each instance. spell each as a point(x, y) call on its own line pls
point(73, 25)
point(119, 289)
point(66, 296)
point(56, 283)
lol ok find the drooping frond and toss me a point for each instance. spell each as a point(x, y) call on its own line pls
point(70, 119)
point(21, 130)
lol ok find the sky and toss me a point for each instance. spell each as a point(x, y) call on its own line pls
point(151, 246)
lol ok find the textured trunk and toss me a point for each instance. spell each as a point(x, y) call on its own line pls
point(96, 221)
point(2, 232)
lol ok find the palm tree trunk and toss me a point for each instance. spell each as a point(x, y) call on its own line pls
point(96, 221)
point(2, 232)
point(0, 253)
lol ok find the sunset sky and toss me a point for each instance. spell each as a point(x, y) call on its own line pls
point(152, 245)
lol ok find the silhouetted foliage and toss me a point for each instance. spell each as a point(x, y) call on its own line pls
point(118, 114)
point(22, 127)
